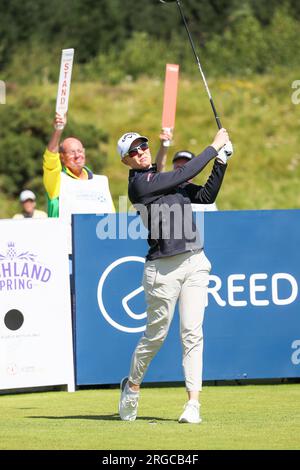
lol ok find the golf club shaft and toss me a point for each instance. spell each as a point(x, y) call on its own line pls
point(199, 65)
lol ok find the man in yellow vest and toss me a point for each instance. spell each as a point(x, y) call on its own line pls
point(70, 185)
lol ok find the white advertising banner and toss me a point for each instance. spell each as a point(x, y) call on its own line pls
point(36, 347)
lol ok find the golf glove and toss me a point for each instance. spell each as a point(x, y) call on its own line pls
point(226, 152)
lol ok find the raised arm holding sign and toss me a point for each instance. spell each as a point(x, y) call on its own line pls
point(70, 185)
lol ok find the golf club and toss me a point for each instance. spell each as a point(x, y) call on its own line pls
point(197, 59)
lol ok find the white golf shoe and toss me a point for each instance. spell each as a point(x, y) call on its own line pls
point(128, 403)
point(191, 413)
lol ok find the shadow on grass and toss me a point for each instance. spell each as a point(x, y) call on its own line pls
point(113, 417)
point(28, 408)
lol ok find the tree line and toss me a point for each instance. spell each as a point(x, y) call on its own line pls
point(94, 27)
point(117, 40)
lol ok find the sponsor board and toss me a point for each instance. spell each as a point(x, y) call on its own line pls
point(252, 314)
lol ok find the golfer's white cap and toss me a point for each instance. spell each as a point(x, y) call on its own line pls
point(124, 143)
point(27, 194)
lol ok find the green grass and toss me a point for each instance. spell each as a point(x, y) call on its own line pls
point(234, 417)
point(263, 123)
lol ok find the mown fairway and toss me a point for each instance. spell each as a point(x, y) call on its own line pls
point(234, 417)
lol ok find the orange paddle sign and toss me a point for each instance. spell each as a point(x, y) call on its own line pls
point(170, 97)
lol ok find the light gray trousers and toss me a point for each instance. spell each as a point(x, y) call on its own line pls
point(182, 278)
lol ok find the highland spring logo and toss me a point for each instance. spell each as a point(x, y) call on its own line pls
point(20, 270)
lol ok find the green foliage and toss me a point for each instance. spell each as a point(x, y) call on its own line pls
point(242, 47)
point(283, 39)
point(247, 37)
point(140, 56)
point(246, 47)
point(24, 131)
point(264, 172)
point(118, 42)
point(96, 27)
point(34, 62)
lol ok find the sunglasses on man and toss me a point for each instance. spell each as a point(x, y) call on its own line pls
point(135, 150)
